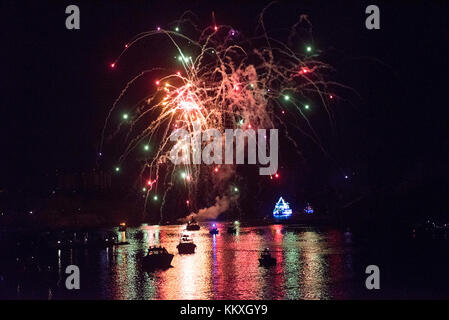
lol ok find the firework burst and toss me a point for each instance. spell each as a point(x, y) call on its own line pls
point(225, 81)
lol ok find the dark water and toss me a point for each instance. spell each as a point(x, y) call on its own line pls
point(312, 263)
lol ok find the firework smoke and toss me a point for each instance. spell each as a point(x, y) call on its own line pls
point(221, 205)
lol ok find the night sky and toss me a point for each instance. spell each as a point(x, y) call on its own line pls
point(392, 126)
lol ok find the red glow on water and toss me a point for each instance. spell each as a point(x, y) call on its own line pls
point(215, 28)
point(216, 169)
point(157, 82)
point(276, 175)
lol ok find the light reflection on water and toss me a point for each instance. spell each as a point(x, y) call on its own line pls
point(311, 264)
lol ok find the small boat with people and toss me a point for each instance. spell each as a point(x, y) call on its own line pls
point(186, 245)
point(214, 229)
point(266, 259)
point(192, 225)
point(157, 257)
point(232, 229)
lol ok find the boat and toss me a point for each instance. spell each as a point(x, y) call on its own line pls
point(214, 229)
point(186, 245)
point(122, 238)
point(233, 228)
point(157, 257)
point(266, 259)
point(192, 225)
point(282, 209)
